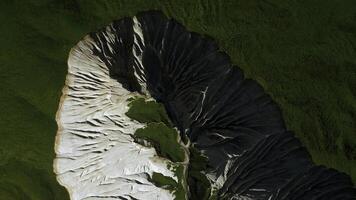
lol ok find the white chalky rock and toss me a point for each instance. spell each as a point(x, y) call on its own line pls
point(96, 155)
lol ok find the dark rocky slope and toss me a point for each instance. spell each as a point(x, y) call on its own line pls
point(230, 119)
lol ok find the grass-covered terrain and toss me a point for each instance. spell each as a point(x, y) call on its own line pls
point(302, 52)
point(160, 134)
point(177, 188)
point(164, 139)
point(147, 111)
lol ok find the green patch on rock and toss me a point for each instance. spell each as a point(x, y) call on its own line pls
point(158, 131)
point(163, 181)
point(164, 139)
point(177, 188)
point(160, 134)
point(147, 111)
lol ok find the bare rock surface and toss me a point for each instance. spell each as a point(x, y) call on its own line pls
point(228, 118)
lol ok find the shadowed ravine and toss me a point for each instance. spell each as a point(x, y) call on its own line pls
point(228, 119)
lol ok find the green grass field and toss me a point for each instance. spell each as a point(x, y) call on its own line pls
point(302, 52)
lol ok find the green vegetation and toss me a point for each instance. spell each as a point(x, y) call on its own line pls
point(168, 183)
point(19, 180)
point(162, 136)
point(199, 185)
point(164, 139)
point(163, 181)
point(147, 111)
point(302, 52)
point(181, 190)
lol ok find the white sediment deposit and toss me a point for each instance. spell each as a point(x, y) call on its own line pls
point(96, 155)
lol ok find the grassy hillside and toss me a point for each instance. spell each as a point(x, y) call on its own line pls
point(302, 52)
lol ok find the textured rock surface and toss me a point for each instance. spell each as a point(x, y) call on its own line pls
point(228, 118)
point(96, 153)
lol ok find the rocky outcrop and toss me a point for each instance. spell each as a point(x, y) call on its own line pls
point(228, 118)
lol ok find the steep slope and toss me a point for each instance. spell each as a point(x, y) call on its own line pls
point(230, 120)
